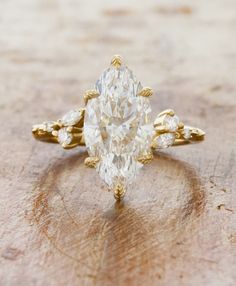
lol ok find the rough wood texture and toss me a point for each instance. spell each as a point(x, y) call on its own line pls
point(59, 226)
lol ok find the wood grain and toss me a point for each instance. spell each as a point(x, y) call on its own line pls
point(59, 225)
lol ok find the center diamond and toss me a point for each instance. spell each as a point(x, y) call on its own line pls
point(117, 127)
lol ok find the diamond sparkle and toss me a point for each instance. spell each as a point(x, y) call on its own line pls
point(171, 122)
point(117, 126)
point(71, 118)
point(64, 137)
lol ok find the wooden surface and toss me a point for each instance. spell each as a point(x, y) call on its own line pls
point(59, 225)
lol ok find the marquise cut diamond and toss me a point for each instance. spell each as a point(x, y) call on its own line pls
point(117, 126)
point(171, 122)
point(71, 118)
point(164, 140)
point(187, 133)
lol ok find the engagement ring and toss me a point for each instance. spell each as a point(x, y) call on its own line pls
point(116, 127)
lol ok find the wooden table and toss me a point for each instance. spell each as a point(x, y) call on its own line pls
point(59, 225)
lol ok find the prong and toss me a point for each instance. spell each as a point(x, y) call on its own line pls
point(34, 128)
point(55, 133)
point(64, 145)
point(91, 162)
point(146, 92)
point(161, 129)
point(59, 123)
point(82, 110)
point(146, 158)
point(181, 125)
point(69, 129)
point(167, 112)
point(197, 134)
point(74, 130)
point(89, 94)
point(116, 61)
point(119, 192)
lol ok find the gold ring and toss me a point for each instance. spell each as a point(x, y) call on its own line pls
point(116, 127)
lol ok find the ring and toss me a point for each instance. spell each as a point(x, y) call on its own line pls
point(116, 127)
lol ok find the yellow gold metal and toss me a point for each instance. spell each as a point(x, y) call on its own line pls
point(181, 125)
point(89, 94)
point(69, 129)
point(39, 133)
point(167, 112)
point(168, 131)
point(182, 134)
point(146, 158)
point(160, 129)
point(55, 133)
point(91, 162)
point(48, 132)
point(119, 192)
point(116, 61)
point(146, 92)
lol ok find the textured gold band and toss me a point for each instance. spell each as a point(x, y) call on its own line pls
point(52, 131)
point(134, 127)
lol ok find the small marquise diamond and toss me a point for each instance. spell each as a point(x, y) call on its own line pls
point(164, 140)
point(187, 133)
point(171, 122)
point(71, 118)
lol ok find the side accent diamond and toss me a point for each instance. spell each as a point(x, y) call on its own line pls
point(171, 122)
point(164, 140)
point(71, 118)
point(64, 137)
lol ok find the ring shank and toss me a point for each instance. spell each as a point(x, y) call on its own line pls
point(196, 135)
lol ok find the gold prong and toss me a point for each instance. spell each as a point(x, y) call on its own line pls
point(59, 123)
point(119, 192)
point(34, 128)
point(91, 162)
point(167, 112)
point(82, 110)
point(116, 61)
point(181, 125)
point(161, 129)
point(89, 94)
point(146, 92)
point(55, 133)
point(198, 134)
point(64, 145)
point(69, 129)
point(146, 159)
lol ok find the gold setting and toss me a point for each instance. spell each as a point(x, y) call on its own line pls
point(50, 131)
point(146, 92)
point(119, 192)
point(195, 134)
point(89, 94)
point(91, 162)
point(116, 61)
point(146, 158)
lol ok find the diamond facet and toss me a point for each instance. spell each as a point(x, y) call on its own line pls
point(71, 118)
point(187, 133)
point(164, 140)
point(117, 127)
point(171, 122)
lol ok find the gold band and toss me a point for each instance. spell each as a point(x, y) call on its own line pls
point(69, 127)
point(196, 135)
point(136, 128)
point(50, 132)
